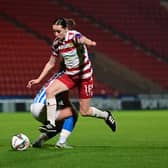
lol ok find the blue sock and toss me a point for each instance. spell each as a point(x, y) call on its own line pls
point(69, 123)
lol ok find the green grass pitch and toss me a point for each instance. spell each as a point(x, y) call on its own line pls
point(141, 141)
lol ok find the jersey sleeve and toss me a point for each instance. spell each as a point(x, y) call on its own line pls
point(77, 36)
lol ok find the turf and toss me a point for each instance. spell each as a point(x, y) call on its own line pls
point(140, 141)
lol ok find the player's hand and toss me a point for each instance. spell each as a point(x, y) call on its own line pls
point(32, 82)
point(93, 43)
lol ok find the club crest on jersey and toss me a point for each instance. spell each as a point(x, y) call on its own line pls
point(67, 45)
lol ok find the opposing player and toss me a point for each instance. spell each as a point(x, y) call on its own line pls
point(64, 107)
point(71, 45)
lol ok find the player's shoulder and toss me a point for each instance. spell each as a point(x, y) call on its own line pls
point(72, 31)
point(71, 34)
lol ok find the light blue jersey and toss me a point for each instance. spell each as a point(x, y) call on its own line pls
point(41, 96)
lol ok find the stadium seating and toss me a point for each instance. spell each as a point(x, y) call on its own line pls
point(22, 57)
point(144, 21)
point(37, 18)
point(18, 49)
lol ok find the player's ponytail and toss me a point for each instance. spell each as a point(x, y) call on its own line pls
point(70, 24)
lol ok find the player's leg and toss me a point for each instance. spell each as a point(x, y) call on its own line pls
point(69, 113)
point(69, 122)
point(63, 83)
point(54, 89)
point(43, 137)
point(85, 93)
point(38, 111)
point(65, 127)
point(86, 110)
point(68, 126)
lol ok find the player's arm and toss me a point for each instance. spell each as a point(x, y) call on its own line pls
point(47, 68)
point(87, 41)
point(84, 40)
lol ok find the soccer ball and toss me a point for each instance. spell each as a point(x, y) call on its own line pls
point(20, 142)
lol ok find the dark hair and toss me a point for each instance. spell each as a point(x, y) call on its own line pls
point(64, 22)
point(70, 23)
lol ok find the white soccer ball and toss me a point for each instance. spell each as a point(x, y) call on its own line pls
point(20, 142)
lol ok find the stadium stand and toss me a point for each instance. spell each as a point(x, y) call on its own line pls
point(22, 56)
point(143, 21)
point(18, 49)
point(35, 20)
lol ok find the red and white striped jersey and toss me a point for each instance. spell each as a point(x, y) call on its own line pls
point(75, 55)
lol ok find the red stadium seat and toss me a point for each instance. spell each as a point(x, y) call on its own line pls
point(23, 54)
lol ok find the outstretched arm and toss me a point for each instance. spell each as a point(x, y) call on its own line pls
point(84, 40)
point(87, 41)
point(47, 68)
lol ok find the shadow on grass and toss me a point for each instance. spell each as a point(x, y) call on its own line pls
point(51, 147)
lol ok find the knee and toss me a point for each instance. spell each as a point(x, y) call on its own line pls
point(49, 92)
point(84, 112)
